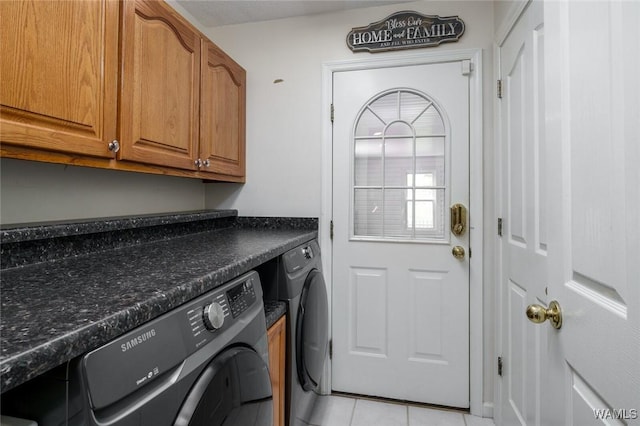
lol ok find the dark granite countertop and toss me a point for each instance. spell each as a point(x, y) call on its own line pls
point(56, 310)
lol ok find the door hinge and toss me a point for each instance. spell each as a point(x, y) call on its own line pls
point(332, 112)
point(331, 349)
point(499, 89)
point(500, 366)
point(500, 227)
point(331, 229)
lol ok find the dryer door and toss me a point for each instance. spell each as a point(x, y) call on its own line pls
point(312, 331)
point(233, 390)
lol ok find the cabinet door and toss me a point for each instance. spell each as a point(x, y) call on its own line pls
point(222, 113)
point(277, 354)
point(160, 86)
point(59, 72)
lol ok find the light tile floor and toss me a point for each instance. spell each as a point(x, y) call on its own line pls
point(334, 410)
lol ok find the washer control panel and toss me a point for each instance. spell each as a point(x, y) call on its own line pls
point(142, 355)
point(241, 296)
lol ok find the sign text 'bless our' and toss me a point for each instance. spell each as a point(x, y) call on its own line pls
point(405, 30)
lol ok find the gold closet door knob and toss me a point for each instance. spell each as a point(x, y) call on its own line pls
point(539, 314)
point(458, 252)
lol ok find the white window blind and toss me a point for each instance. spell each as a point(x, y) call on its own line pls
point(399, 168)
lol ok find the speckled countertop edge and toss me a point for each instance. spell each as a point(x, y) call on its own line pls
point(242, 249)
point(38, 231)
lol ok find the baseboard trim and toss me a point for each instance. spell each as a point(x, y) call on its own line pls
point(487, 409)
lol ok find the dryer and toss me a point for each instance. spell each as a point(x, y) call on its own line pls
point(204, 363)
point(300, 282)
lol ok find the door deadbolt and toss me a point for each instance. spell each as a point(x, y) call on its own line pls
point(458, 219)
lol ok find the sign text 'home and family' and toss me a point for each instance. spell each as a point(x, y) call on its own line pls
point(405, 30)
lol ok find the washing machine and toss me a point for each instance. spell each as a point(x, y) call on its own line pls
point(204, 363)
point(300, 282)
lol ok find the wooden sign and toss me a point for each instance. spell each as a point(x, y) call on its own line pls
point(405, 30)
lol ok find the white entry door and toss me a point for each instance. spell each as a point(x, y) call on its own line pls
point(400, 297)
point(570, 132)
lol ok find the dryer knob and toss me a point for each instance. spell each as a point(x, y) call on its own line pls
point(308, 254)
point(213, 316)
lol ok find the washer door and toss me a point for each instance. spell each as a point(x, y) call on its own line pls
point(234, 389)
point(312, 331)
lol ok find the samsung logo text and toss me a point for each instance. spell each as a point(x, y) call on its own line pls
point(138, 340)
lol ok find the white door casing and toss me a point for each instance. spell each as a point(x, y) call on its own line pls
point(400, 306)
point(586, 153)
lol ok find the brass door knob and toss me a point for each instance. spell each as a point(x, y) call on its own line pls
point(458, 252)
point(539, 314)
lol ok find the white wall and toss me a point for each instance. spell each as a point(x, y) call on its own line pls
point(34, 192)
point(284, 127)
point(505, 13)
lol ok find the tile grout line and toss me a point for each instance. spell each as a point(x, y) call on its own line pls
point(407, 406)
point(353, 411)
point(408, 419)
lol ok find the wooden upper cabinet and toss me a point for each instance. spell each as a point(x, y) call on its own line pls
point(59, 68)
point(160, 93)
point(77, 75)
point(222, 113)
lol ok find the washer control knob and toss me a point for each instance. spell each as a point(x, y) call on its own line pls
point(213, 316)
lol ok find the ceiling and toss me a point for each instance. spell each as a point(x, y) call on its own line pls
point(215, 13)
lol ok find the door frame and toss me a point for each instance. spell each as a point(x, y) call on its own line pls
point(476, 196)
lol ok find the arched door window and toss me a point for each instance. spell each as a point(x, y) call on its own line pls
point(399, 179)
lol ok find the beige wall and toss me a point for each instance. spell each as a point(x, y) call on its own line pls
point(284, 127)
point(35, 192)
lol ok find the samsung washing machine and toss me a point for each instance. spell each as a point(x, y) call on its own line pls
point(300, 282)
point(204, 363)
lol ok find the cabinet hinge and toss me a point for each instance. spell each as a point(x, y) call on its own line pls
point(500, 227)
point(331, 229)
point(330, 349)
point(500, 366)
point(499, 89)
point(332, 112)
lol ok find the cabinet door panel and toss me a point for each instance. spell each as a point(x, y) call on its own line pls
point(277, 335)
point(59, 75)
point(161, 86)
point(222, 113)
